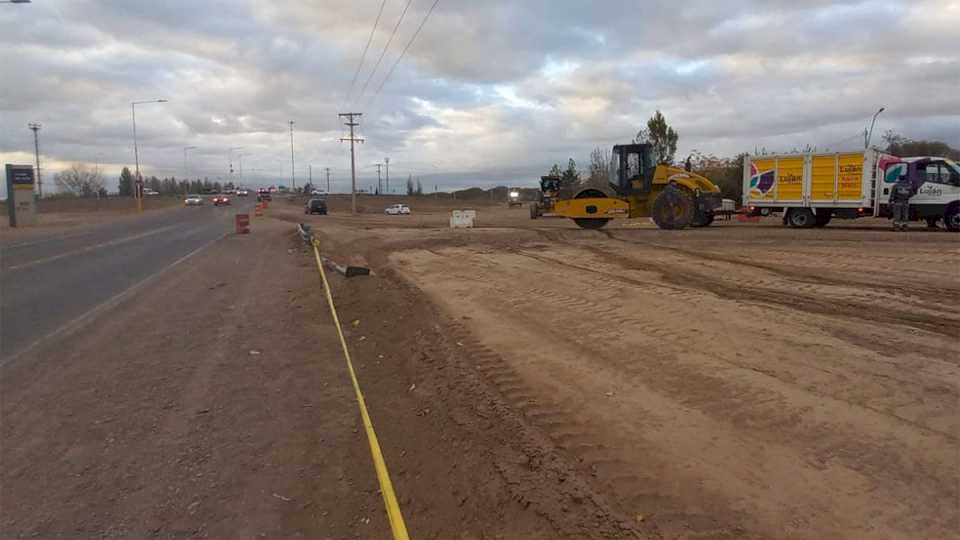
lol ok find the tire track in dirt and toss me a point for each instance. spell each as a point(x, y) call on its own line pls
point(681, 275)
point(888, 377)
point(945, 298)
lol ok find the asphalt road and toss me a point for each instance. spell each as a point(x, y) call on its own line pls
point(48, 283)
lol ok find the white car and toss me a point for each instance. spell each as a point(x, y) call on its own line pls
point(193, 200)
point(397, 210)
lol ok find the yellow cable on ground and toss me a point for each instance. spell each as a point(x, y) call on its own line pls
point(386, 487)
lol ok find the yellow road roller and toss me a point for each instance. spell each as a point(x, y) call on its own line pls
point(673, 197)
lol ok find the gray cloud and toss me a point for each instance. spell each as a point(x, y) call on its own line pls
point(489, 91)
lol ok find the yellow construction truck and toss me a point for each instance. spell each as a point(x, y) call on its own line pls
point(638, 187)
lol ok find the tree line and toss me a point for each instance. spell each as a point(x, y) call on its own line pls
point(82, 181)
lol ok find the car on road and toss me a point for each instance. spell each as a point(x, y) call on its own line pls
point(242, 193)
point(150, 193)
point(221, 200)
point(397, 210)
point(193, 200)
point(316, 206)
point(317, 193)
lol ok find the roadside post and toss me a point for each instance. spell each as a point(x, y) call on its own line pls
point(21, 202)
point(243, 223)
point(258, 210)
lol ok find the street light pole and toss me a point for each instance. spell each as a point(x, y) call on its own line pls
point(138, 182)
point(293, 178)
point(230, 152)
point(35, 127)
point(186, 171)
point(869, 136)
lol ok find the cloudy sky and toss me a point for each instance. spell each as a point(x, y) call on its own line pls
point(488, 93)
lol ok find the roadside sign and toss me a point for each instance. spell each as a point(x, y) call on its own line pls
point(21, 204)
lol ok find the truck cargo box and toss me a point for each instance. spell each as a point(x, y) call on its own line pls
point(828, 180)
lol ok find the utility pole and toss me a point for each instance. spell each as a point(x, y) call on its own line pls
point(328, 180)
point(353, 160)
point(293, 178)
point(138, 182)
point(379, 179)
point(387, 161)
point(36, 148)
point(310, 173)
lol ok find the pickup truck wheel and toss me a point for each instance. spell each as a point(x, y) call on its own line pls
point(801, 218)
point(952, 219)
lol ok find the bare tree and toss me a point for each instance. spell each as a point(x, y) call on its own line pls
point(80, 180)
point(599, 167)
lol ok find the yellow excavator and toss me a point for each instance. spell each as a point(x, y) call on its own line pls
point(675, 198)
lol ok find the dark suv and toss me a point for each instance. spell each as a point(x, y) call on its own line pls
point(316, 206)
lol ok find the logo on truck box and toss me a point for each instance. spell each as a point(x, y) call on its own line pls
point(761, 182)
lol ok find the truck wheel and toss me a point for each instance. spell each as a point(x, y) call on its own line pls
point(823, 217)
point(932, 222)
point(673, 208)
point(702, 219)
point(591, 223)
point(952, 219)
point(802, 218)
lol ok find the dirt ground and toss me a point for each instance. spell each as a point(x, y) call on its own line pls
point(526, 379)
point(743, 381)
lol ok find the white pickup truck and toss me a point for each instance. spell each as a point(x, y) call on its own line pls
point(397, 210)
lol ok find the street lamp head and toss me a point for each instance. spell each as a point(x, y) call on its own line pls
point(881, 110)
point(161, 101)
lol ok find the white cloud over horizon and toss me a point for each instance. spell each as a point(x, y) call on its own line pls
point(489, 93)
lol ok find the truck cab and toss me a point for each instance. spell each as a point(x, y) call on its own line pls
point(936, 183)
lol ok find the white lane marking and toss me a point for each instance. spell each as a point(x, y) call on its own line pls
point(91, 314)
point(86, 249)
point(46, 240)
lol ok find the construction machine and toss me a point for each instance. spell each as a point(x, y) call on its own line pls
point(549, 193)
point(675, 198)
point(513, 199)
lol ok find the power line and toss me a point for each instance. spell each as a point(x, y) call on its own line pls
point(402, 53)
point(364, 55)
point(385, 47)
